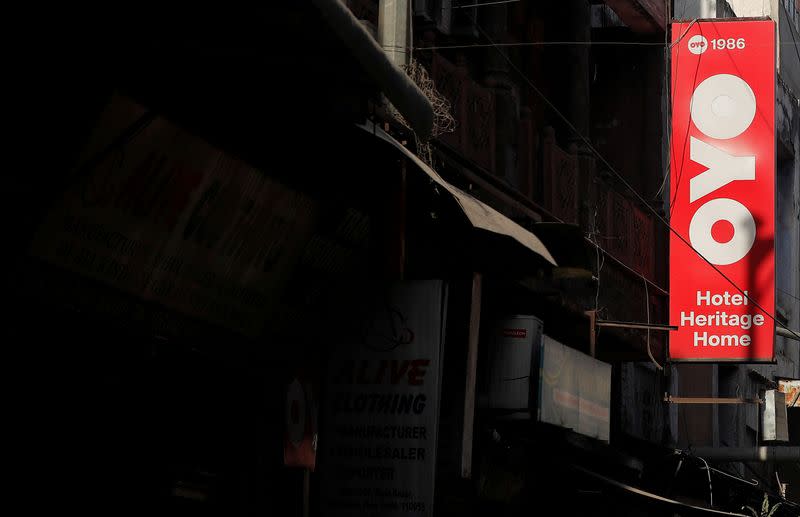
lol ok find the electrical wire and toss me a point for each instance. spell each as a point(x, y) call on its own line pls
point(546, 43)
point(627, 184)
point(710, 486)
point(608, 254)
point(752, 482)
point(670, 89)
point(482, 5)
point(679, 175)
point(600, 263)
point(661, 499)
point(551, 43)
point(787, 293)
point(647, 304)
point(587, 238)
point(684, 33)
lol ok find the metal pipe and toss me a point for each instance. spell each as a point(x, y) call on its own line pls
point(709, 400)
point(753, 454)
point(401, 91)
point(634, 325)
point(784, 332)
point(393, 30)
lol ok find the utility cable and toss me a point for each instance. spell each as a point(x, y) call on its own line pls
point(787, 293)
point(710, 487)
point(647, 305)
point(546, 43)
point(482, 5)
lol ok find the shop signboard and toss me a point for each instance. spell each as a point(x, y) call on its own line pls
point(722, 191)
point(574, 390)
point(379, 436)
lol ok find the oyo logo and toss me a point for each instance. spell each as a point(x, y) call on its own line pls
point(698, 44)
point(722, 107)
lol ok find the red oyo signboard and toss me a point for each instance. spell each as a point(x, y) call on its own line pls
point(722, 190)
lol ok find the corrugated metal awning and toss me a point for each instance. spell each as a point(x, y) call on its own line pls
point(478, 213)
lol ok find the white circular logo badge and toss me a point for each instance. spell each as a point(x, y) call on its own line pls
point(698, 44)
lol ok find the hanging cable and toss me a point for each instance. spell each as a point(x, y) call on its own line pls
point(600, 263)
point(710, 486)
point(787, 293)
point(669, 132)
point(545, 43)
point(751, 482)
point(483, 5)
point(683, 35)
point(647, 305)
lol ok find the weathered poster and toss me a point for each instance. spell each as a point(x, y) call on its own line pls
point(791, 388)
point(171, 219)
point(574, 390)
point(381, 413)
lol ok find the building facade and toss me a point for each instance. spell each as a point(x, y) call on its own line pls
point(389, 258)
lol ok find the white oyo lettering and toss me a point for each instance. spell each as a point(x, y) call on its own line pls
point(722, 107)
point(722, 209)
point(722, 169)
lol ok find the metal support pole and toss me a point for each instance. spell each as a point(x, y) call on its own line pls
point(633, 325)
point(592, 332)
point(393, 30)
point(759, 454)
point(709, 400)
point(471, 376)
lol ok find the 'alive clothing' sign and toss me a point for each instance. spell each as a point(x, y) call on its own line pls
point(722, 183)
point(378, 439)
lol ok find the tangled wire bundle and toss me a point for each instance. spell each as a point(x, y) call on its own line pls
point(443, 121)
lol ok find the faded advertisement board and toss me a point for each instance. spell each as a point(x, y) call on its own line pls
point(774, 422)
point(722, 191)
point(790, 388)
point(378, 441)
point(169, 218)
point(574, 390)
